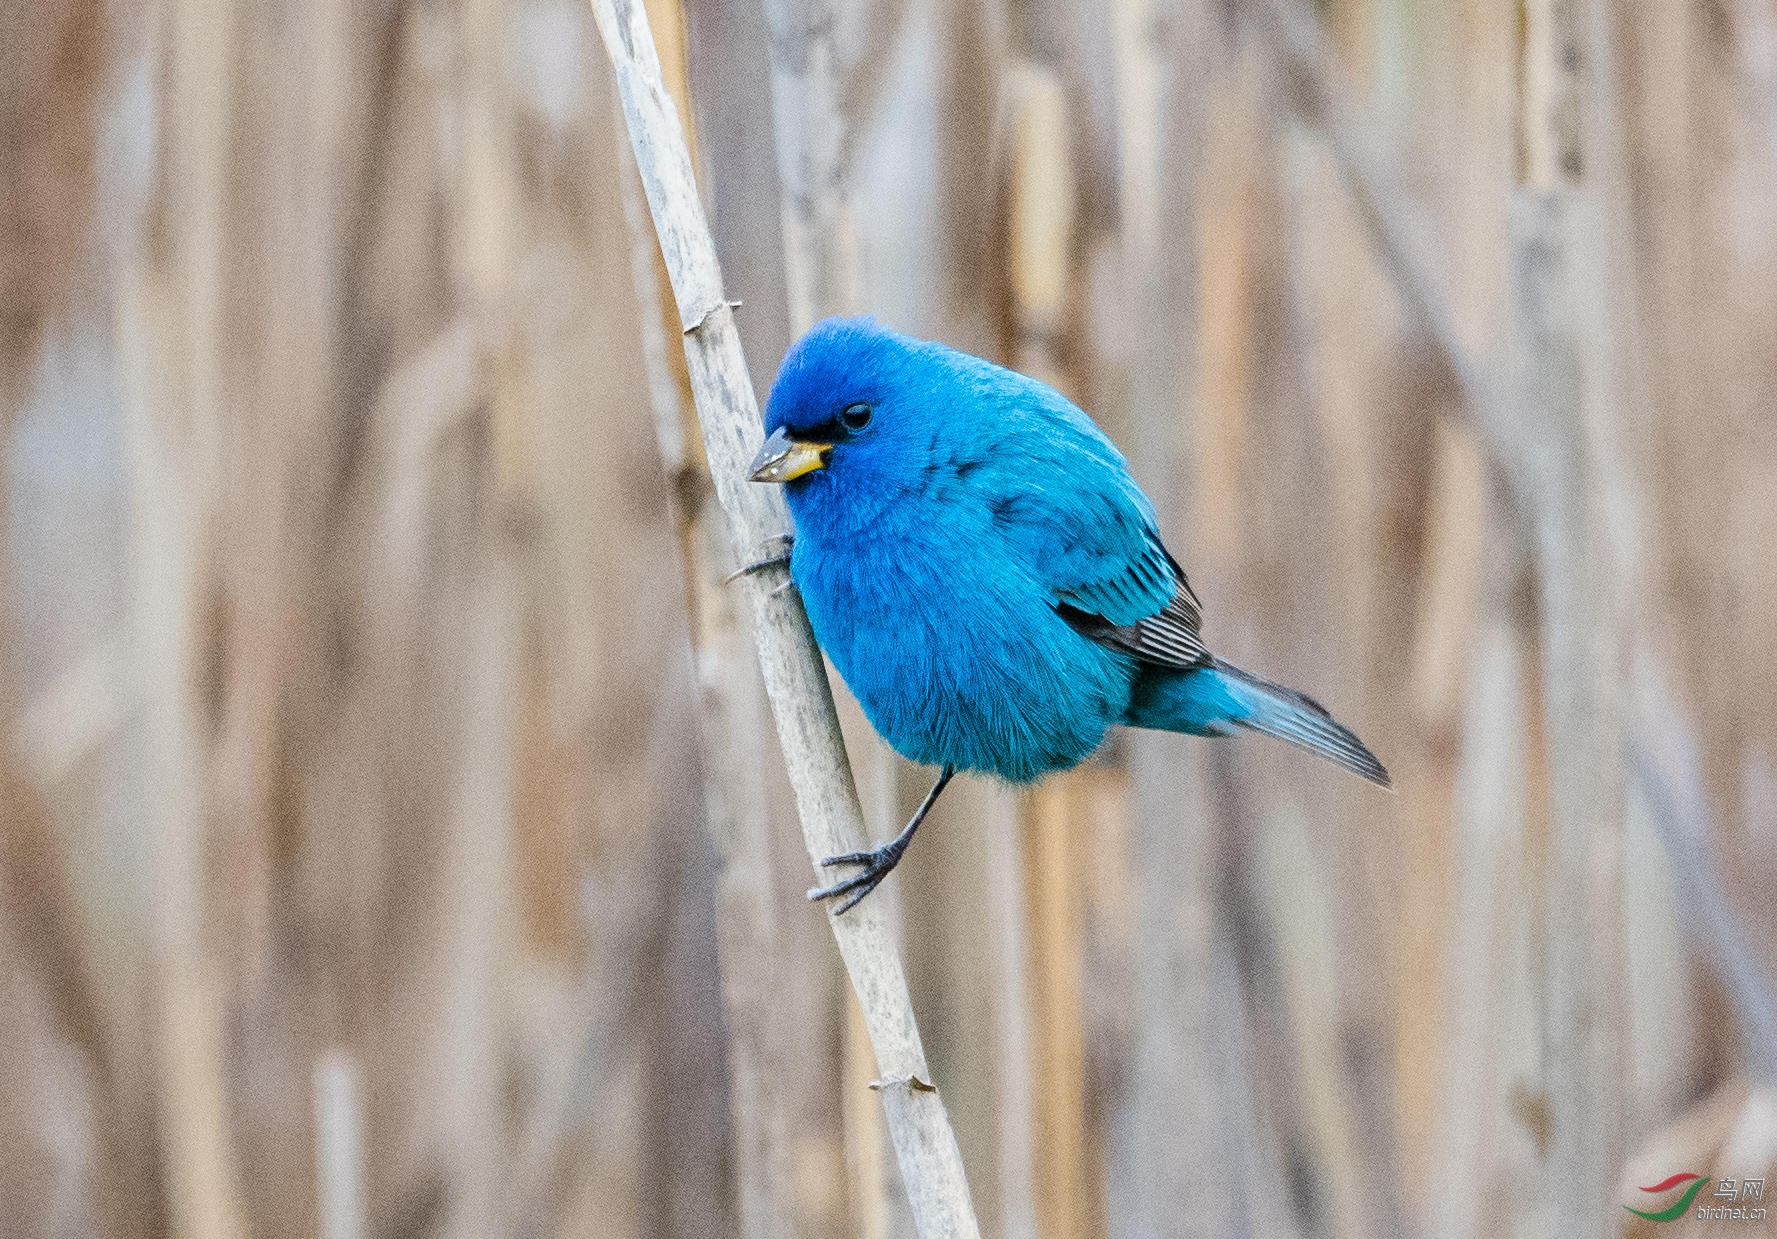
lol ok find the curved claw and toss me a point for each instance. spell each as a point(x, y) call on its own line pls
point(851, 903)
point(857, 887)
point(851, 858)
point(786, 540)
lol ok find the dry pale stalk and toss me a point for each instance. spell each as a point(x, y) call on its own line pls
point(1181, 1097)
point(1565, 477)
point(1563, 287)
point(809, 88)
point(1563, 474)
point(795, 681)
point(733, 736)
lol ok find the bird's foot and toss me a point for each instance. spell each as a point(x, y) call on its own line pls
point(877, 863)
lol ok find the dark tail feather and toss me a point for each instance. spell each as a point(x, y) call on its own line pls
point(1298, 718)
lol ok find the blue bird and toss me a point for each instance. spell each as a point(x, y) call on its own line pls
point(987, 576)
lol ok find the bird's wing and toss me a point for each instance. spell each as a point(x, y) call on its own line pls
point(1065, 501)
point(1144, 607)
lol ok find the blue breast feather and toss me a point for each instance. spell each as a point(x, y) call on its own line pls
point(982, 675)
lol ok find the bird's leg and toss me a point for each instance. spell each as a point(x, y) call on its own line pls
point(877, 861)
point(769, 561)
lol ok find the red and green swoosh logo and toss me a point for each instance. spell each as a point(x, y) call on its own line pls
point(1677, 1210)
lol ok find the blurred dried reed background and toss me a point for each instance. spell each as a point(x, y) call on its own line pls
point(355, 878)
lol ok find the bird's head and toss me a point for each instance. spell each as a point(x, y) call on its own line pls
point(855, 420)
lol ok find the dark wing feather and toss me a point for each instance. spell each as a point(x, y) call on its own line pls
point(1169, 636)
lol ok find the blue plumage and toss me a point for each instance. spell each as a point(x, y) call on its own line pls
point(985, 573)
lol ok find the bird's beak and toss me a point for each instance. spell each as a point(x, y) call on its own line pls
point(784, 459)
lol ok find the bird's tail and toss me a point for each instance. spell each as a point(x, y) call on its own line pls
point(1213, 699)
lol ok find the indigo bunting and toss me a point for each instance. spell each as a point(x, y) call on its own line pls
point(986, 575)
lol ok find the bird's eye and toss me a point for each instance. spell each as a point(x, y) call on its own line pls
point(855, 416)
